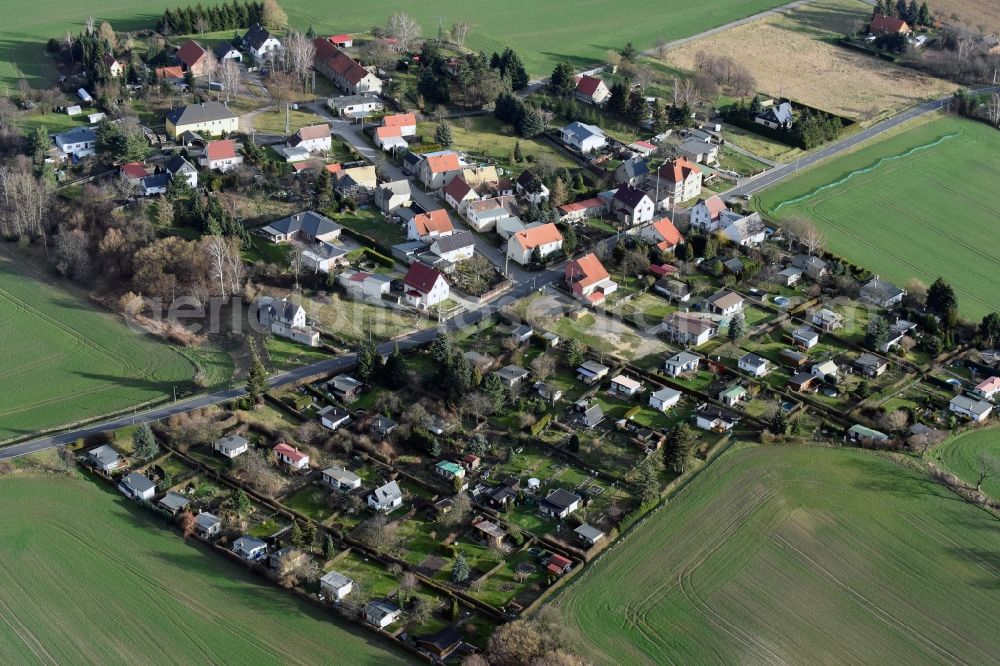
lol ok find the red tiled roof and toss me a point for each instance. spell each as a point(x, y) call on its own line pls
point(585, 271)
point(134, 170)
point(588, 85)
point(540, 235)
point(220, 150)
point(337, 39)
point(345, 65)
point(290, 452)
point(669, 236)
point(991, 384)
point(436, 221)
point(457, 189)
point(715, 206)
point(421, 277)
point(399, 120)
point(388, 132)
point(663, 269)
point(677, 170)
point(887, 24)
point(443, 163)
point(596, 296)
point(174, 72)
point(642, 143)
point(586, 204)
point(334, 168)
point(190, 53)
point(324, 50)
point(560, 561)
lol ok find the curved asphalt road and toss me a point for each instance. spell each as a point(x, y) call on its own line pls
point(328, 366)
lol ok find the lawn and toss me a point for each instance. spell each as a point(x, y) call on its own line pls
point(286, 354)
point(792, 54)
point(541, 32)
point(491, 138)
point(137, 587)
point(273, 122)
point(961, 454)
point(901, 208)
point(796, 555)
point(69, 361)
point(355, 321)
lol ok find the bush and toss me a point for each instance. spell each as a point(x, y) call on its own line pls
point(540, 425)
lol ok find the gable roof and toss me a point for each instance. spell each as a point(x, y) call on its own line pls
point(453, 242)
point(256, 36)
point(134, 170)
point(220, 150)
point(630, 196)
point(290, 452)
point(582, 131)
point(989, 385)
point(178, 164)
point(343, 64)
point(458, 189)
point(320, 131)
point(887, 24)
point(781, 113)
point(308, 221)
point(540, 235)
point(585, 271)
point(724, 299)
point(388, 492)
point(677, 170)
point(669, 236)
point(588, 85)
point(388, 132)
point(586, 204)
point(223, 48)
point(421, 277)
point(172, 72)
point(443, 162)
point(199, 113)
point(436, 221)
point(399, 120)
point(715, 205)
point(190, 53)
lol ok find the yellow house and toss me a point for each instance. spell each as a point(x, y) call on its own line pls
point(210, 118)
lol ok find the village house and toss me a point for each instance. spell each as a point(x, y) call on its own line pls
point(724, 303)
point(381, 613)
point(587, 278)
point(699, 151)
point(580, 210)
point(305, 227)
point(153, 184)
point(632, 172)
point(386, 497)
point(642, 148)
point(859, 434)
point(458, 194)
point(341, 479)
point(226, 51)
point(355, 106)
point(715, 419)
point(314, 138)
point(827, 320)
point(207, 525)
point(512, 375)
point(689, 329)
point(261, 44)
point(291, 456)
point(221, 156)
point(746, 231)
point(105, 458)
point(428, 226)
point(449, 470)
point(730, 396)
point(211, 118)
point(382, 426)
point(470, 462)
point(802, 381)
point(752, 364)
point(589, 415)
point(970, 408)
point(825, 370)
point(887, 25)
point(436, 168)
point(392, 195)
point(333, 417)
point(454, 248)
point(522, 333)
point(334, 585)
point(370, 287)
point(137, 486)
point(286, 319)
point(881, 293)
point(788, 277)
point(776, 116)
point(674, 290)
point(588, 535)
point(343, 70)
point(557, 565)
point(559, 503)
point(988, 388)
point(530, 187)
point(488, 532)
point(870, 365)
point(680, 363)
point(679, 180)
point(535, 244)
point(584, 138)
point(178, 167)
point(441, 643)
point(173, 74)
point(193, 58)
point(250, 548)
point(424, 286)
point(792, 358)
point(116, 68)
point(76, 143)
point(547, 391)
point(663, 234)
point(345, 388)
point(342, 40)
point(592, 372)
point(897, 330)
point(706, 214)
point(592, 90)
point(806, 337)
point(631, 205)
point(173, 503)
point(625, 386)
point(231, 446)
point(663, 399)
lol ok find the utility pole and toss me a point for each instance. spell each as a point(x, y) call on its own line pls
point(288, 106)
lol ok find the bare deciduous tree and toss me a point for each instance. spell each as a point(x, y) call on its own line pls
point(301, 53)
point(404, 28)
point(229, 76)
point(216, 250)
point(459, 32)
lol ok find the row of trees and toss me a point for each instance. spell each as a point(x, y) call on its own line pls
point(235, 15)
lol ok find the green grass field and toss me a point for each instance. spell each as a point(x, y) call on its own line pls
point(918, 204)
point(90, 578)
point(543, 32)
point(62, 360)
point(961, 453)
point(796, 555)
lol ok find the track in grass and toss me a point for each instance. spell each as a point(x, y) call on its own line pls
point(919, 204)
point(796, 555)
point(90, 578)
point(63, 361)
point(961, 455)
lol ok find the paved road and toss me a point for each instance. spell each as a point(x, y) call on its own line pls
point(773, 176)
point(327, 366)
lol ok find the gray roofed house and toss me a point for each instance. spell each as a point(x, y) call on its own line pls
point(511, 375)
point(226, 51)
point(632, 172)
point(307, 225)
point(383, 425)
point(776, 116)
point(592, 371)
point(977, 410)
point(583, 137)
point(814, 267)
point(392, 195)
point(882, 293)
point(871, 365)
point(256, 36)
point(336, 584)
point(231, 445)
point(591, 416)
point(178, 167)
point(746, 231)
point(355, 104)
point(447, 247)
point(250, 548)
point(381, 613)
point(207, 524)
point(589, 534)
point(104, 458)
point(344, 387)
point(333, 416)
point(194, 114)
point(680, 363)
point(699, 151)
point(341, 478)
point(789, 276)
point(155, 183)
point(137, 486)
point(753, 364)
point(559, 503)
point(386, 497)
point(173, 502)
